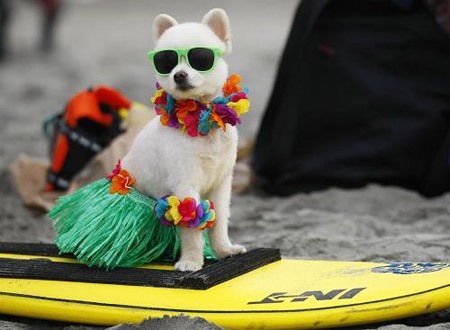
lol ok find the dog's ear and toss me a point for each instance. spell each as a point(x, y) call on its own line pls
point(217, 20)
point(161, 23)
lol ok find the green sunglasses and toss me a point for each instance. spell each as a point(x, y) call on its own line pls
point(202, 59)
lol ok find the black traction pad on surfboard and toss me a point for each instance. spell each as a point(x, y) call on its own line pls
point(45, 269)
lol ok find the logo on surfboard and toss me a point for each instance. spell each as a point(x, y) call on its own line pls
point(411, 267)
point(279, 297)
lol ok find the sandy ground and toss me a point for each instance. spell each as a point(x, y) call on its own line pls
point(106, 42)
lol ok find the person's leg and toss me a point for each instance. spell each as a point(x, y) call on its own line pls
point(5, 14)
point(51, 9)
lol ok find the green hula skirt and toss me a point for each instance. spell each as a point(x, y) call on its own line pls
point(113, 230)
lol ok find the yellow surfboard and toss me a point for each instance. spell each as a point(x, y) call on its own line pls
point(257, 290)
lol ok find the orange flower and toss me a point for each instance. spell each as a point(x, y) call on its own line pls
point(184, 107)
point(216, 118)
point(121, 183)
point(230, 86)
point(165, 118)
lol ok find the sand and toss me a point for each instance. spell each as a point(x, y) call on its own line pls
point(106, 42)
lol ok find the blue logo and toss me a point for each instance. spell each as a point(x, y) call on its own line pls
point(411, 267)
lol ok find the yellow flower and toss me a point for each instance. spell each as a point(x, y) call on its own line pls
point(174, 213)
point(123, 113)
point(168, 216)
point(240, 106)
point(157, 94)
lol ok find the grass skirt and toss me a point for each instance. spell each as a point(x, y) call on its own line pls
point(113, 230)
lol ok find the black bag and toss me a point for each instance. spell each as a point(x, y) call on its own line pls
point(89, 123)
point(362, 95)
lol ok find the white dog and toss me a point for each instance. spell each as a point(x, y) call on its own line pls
point(164, 161)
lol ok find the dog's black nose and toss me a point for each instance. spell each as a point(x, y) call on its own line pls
point(180, 77)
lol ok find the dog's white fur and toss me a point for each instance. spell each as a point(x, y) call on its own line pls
point(166, 162)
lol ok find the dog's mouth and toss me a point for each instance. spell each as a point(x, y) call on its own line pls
point(184, 86)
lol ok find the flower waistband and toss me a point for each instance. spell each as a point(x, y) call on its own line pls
point(186, 213)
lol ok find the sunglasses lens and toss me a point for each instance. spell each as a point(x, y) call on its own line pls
point(165, 61)
point(201, 59)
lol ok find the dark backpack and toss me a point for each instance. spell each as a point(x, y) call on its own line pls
point(89, 122)
point(362, 96)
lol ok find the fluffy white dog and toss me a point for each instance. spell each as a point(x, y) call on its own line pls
point(166, 162)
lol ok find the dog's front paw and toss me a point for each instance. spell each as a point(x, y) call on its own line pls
point(229, 251)
point(188, 266)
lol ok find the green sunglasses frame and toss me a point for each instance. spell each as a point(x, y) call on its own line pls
point(183, 52)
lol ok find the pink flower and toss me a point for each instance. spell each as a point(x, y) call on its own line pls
point(115, 171)
point(238, 96)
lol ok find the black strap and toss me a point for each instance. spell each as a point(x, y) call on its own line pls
point(45, 269)
point(82, 138)
point(58, 181)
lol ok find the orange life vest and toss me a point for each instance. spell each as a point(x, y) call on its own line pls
point(88, 124)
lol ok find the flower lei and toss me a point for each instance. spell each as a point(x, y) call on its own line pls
point(171, 211)
point(168, 209)
point(198, 118)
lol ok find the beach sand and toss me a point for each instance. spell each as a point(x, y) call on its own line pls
point(105, 42)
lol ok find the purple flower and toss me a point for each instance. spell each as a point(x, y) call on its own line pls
point(173, 122)
point(199, 211)
point(194, 223)
point(166, 223)
point(227, 114)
